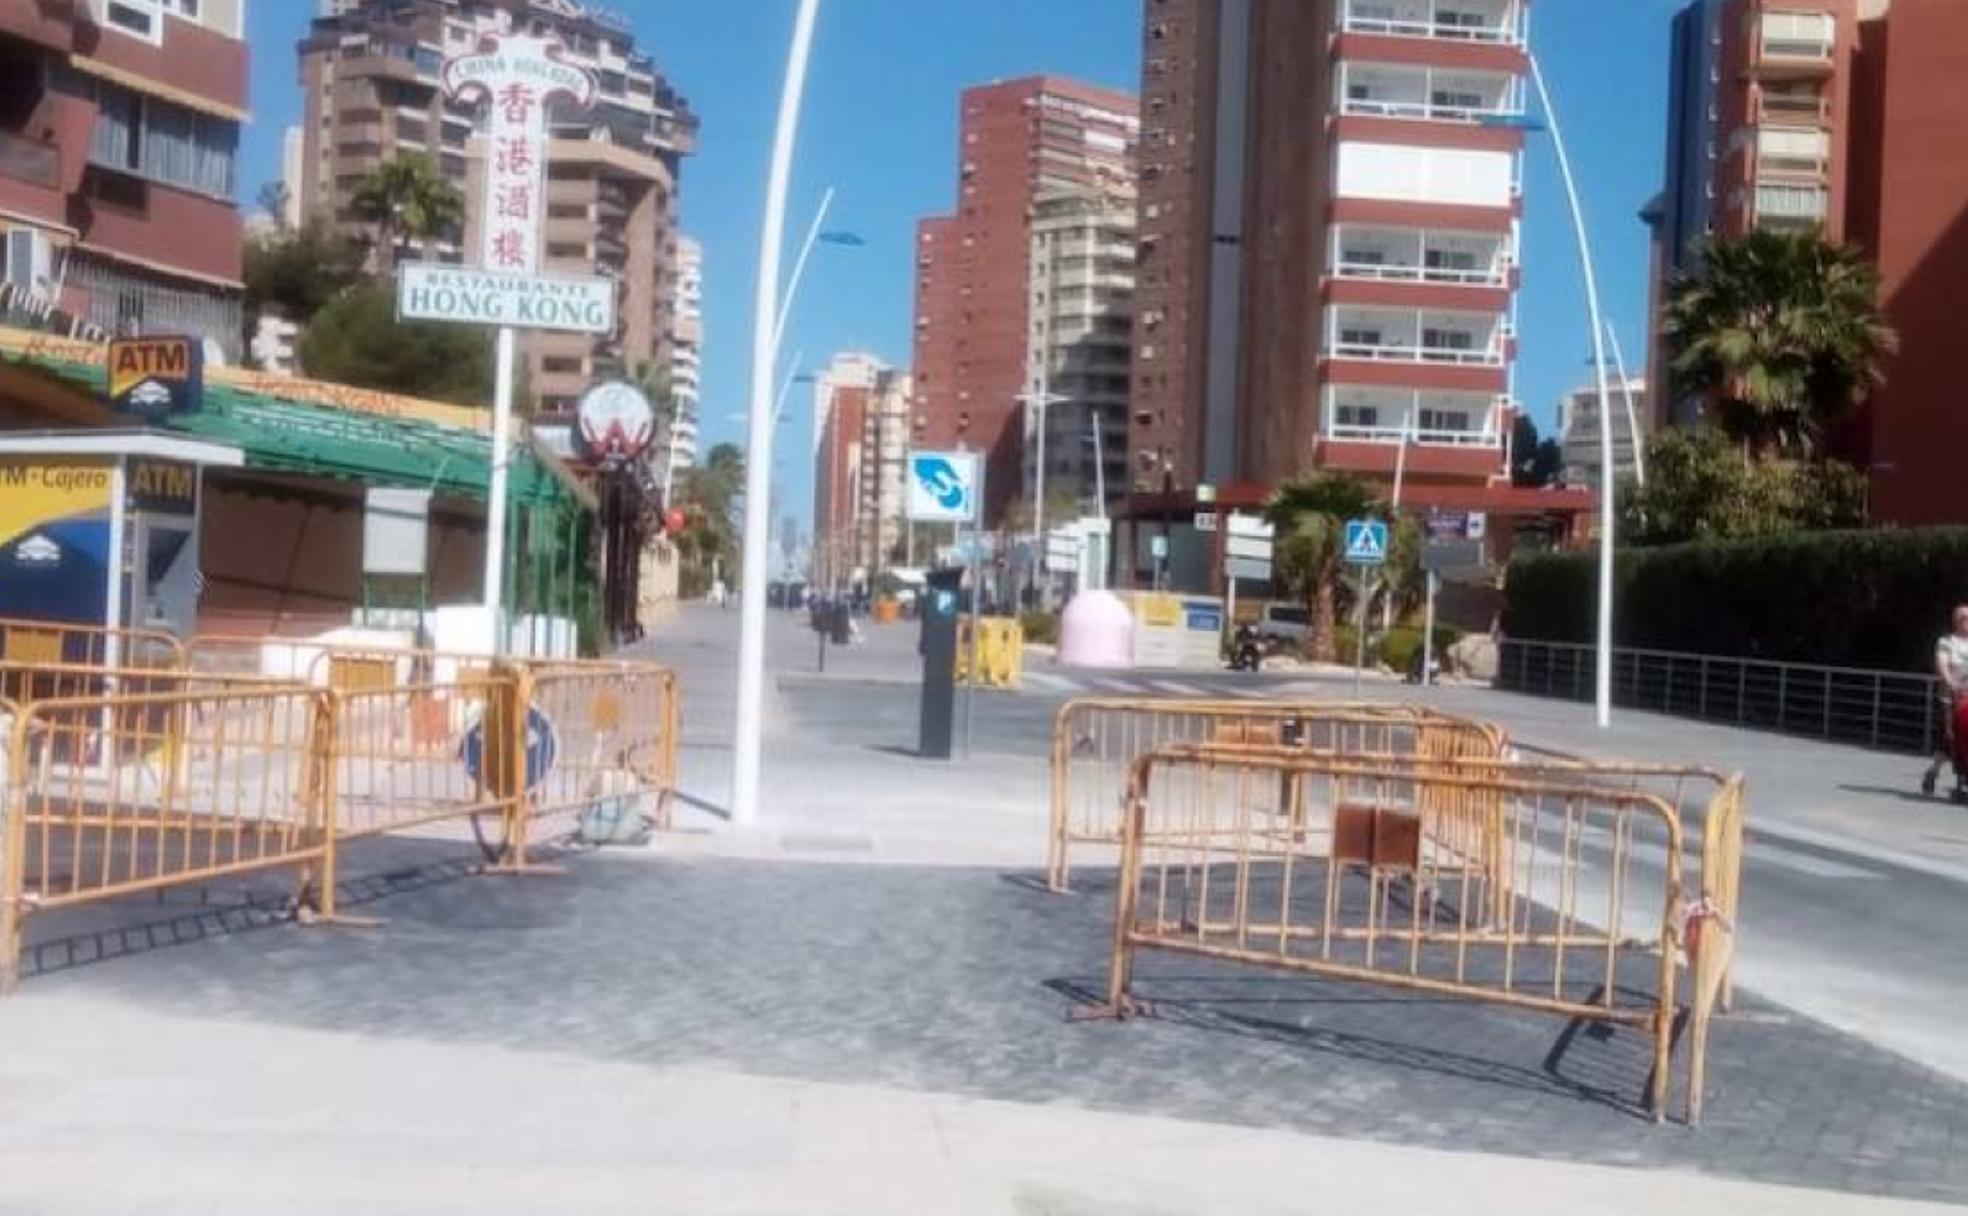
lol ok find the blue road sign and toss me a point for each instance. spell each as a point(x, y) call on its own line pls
point(943, 487)
point(1366, 542)
point(542, 748)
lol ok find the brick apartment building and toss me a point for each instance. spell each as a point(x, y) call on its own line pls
point(369, 71)
point(119, 133)
point(1844, 117)
point(1020, 141)
point(861, 441)
point(1330, 200)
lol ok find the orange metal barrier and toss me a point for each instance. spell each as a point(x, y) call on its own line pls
point(1096, 739)
point(113, 796)
point(60, 643)
point(615, 733)
point(1347, 869)
point(107, 796)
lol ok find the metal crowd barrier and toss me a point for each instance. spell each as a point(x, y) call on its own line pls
point(1095, 740)
point(196, 777)
point(1568, 899)
point(61, 643)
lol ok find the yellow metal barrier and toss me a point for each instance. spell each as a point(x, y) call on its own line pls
point(61, 643)
point(1096, 739)
point(614, 739)
point(1313, 863)
point(112, 796)
point(1000, 651)
point(199, 776)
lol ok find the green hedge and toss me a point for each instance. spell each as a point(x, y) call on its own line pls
point(1873, 598)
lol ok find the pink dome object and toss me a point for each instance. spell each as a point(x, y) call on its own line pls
point(1096, 630)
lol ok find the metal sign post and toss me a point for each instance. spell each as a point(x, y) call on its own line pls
point(1366, 547)
point(1428, 632)
point(948, 487)
point(517, 77)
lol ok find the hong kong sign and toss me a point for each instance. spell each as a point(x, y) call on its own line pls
point(518, 77)
point(477, 297)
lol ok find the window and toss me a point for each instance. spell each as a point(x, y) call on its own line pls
point(1446, 420)
point(1448, 339)
point(561, 365)
point(1356, 415)
point(567, 211)
point(1357, 335)
point(156, 139)
point(1451, 259)
point(564, 249)
point(141, 18)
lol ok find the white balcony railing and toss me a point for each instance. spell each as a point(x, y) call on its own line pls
point(1421, 22)
point(1353, 433)
point(1376, 108)
point(1392, 352)
point(1497, 275)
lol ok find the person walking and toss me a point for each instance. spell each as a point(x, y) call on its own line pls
point(1951, 665)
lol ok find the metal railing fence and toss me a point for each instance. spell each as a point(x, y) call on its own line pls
point(1898, 711)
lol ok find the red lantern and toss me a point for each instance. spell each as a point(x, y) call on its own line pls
point(673, 520)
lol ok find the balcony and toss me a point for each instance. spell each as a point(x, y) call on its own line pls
point(1378, 90)
point(1356, 414)
point(1499, 22)
point(33, 161)
point(1420, 336)
point(1394, 255)
point(1792, 109)
point(1795, 44)
point(1786, 207)
point(1790, 152)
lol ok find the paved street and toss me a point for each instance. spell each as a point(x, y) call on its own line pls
point(861, 1005)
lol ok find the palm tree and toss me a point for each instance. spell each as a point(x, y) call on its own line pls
point(1310, 516)
point(409, 202)
point(1782, 332)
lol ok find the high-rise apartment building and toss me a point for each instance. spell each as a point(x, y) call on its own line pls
point(1330, 198)
point(1841, 117)
point(1759, 111)
point(1578, 430)
point(369, 71)
point(119, 134)
point(686, 354)
point(1020, 141)
point(1078, 349)
point(861, 442)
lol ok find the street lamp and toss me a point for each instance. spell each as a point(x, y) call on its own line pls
point(748, 724)
point(1603, 689)
point(1041, 401)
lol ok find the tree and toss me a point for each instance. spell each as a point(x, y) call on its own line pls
point(296, 272)
point(1700, 488)
point(1783, 333)
point(1533, 461)
point(1310, 516)
point(273, 199)
point(708, 495)
point(357, 339)
point(408, 201)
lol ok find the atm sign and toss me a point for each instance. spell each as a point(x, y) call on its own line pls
point(162, 486)
point(155, 377)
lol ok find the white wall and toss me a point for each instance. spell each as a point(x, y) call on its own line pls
point(1465, 176)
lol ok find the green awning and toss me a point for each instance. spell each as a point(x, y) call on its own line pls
point(301, 437)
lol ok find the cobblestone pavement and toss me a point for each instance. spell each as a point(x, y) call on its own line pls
point(959, 980)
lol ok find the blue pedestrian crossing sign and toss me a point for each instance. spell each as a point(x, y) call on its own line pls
point(1366, 542)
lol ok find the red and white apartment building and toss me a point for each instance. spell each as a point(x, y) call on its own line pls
point(119, 128)
point(1331, 195)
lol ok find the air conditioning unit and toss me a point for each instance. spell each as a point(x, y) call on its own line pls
point(30, 262)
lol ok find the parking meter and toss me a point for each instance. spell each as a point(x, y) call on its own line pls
point(941, 605)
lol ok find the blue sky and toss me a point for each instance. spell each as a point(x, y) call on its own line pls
point(880, 126)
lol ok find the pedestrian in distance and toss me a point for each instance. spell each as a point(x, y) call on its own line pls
point(1951, 665)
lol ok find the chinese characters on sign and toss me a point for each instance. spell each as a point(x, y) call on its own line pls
point(520, 78)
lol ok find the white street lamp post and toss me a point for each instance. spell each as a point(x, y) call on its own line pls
point(747, 741)
point(1603, 691)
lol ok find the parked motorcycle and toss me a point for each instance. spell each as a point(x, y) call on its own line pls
point(1245, 653)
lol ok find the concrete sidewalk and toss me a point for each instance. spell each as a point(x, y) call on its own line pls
point(307, 1123)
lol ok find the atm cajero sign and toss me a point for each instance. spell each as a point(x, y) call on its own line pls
point(165, 487)
point(156, 377)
